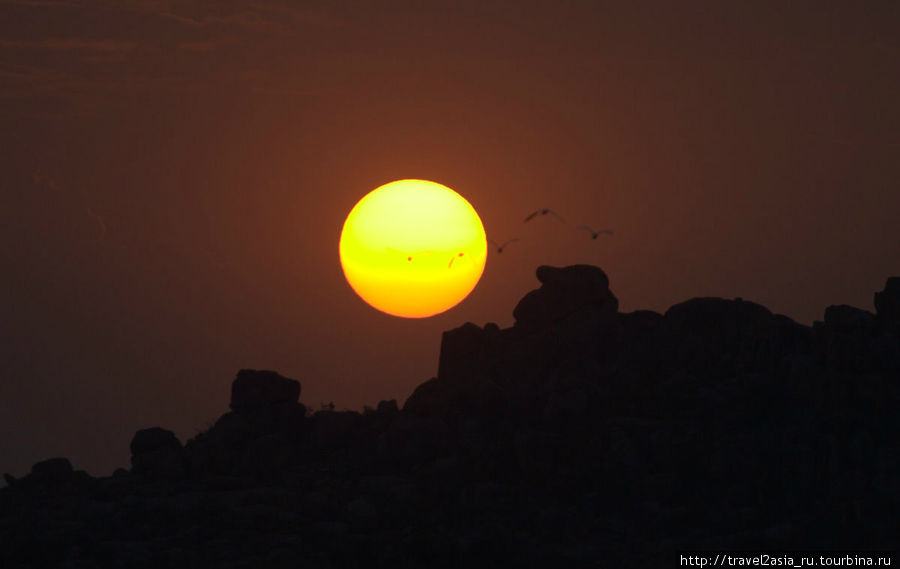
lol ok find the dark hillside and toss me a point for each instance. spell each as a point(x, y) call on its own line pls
point(581, 435)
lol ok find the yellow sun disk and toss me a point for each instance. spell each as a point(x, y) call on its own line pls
point(413, 248)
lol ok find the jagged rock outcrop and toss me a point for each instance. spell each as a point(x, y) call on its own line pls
point(562, 329)
point(564, 292)
point(255, 390)
point(887, 302)
point(51, 476)
point(51, 472)
point(851, 340)
point(259, 435)
point(720, 338)
point(580, 436)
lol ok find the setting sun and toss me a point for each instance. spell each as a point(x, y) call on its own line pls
point(413, 248)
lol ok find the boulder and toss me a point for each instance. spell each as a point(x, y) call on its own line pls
point(887, 302)
point(426, 397)
point(644, 344)
point(850, 340)
point(152, 439)
point(848, 319)
point(717, 337)
point(233, 429)
point(562, 292)
point(388, 407)
point(52, 471)
point(710, 315)
point(462, 352)
point(260, 389)
point(565, 328)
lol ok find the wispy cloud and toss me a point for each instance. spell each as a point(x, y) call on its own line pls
point(23, 80)
point(314, 16)
point(41, 3)
point(264, 17)
point(178, 18)
point(201, 46)
point(70, 44)
point(50, 70)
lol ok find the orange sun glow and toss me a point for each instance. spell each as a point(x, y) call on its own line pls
point(413, 248)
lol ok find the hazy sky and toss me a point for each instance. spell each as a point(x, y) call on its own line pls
point(175, 176)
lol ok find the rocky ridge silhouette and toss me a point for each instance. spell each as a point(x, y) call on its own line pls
point(580, 435)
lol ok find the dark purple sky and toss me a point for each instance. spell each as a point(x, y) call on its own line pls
point(175, 176)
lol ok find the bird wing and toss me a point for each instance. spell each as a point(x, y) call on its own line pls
point(559, 217)
point(513, 240)
point(494, 243)
point(585, 227)
point(531, 215)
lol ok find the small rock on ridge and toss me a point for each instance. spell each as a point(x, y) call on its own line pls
point(563, 291)
point(887, 302)
point(255, 389)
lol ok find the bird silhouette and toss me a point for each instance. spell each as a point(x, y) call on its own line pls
point(595, 234)
point(500, 248)
point(454, 258)
point(544, 211)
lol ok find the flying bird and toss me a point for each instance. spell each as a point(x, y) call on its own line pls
point(595, 234)
point(500, 248)
point(454, 258)
point(544, 211)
